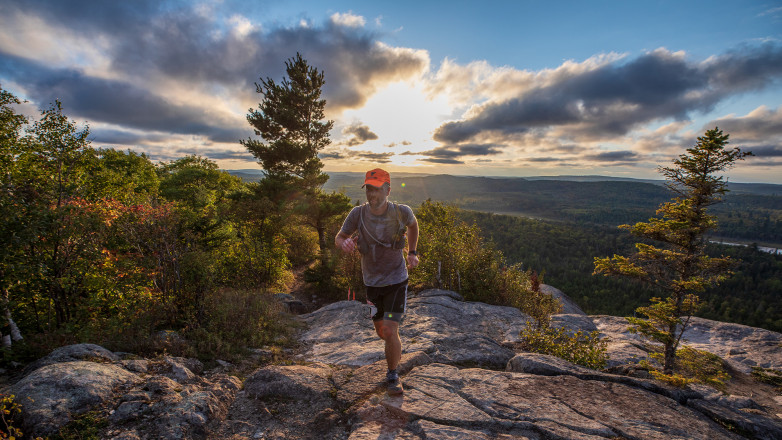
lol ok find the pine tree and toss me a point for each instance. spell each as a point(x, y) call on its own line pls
point(290, 121)
point(679, 266)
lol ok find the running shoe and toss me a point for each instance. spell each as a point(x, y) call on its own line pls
point(393, 384)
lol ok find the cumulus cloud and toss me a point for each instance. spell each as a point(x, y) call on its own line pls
point(358, 133)
point(759, 131)
point(761, 123)
point(348, 20)
point(610, 98)
point(150, 51)
point(120, 103)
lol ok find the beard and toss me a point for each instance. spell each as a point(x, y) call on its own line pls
point(376, 202)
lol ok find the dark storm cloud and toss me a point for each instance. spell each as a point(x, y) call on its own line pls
point(612, 99)
point(117, 102)
point(614, 156)
point(359, 133)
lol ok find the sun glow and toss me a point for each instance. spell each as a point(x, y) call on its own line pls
point(403, 118)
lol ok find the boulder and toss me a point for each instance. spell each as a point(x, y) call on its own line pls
point(54, 394)
point(568, 306)
point(573, 322)
point(161, 407)
point(76, 352)
point(298, 382)
point(291, 304)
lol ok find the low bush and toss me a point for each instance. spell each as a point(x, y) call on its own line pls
point(335, 275)
point(238, 319)
point(580, 348)
point(692, 366)
point(455, 257)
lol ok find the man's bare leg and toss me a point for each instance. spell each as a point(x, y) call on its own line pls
point(389, 332)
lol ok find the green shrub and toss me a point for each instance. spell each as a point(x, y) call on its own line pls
point(237, 319)
point(455, 257)
point(522, 290)
point(585, 349)
point(691, 366)
point(302, 244)
point(703, 366)
point(86, 426)
point(336, 274)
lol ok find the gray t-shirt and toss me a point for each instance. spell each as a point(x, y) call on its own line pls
point(381, 265)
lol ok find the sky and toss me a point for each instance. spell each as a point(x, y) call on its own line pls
point(494, 88)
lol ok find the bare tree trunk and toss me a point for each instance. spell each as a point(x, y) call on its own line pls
point(670, 351)
point(13, 330)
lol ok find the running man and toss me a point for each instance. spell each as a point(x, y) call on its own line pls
point(381, 227)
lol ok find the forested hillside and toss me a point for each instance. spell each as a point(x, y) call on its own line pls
point(750, 213)
point(558, 227)
point(565, 252)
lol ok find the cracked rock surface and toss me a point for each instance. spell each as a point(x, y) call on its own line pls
point(463, 375)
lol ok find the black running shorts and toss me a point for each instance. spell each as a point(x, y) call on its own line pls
point(389, 300)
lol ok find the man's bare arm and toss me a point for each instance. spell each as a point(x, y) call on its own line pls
point(412, 244)
point(344, 242)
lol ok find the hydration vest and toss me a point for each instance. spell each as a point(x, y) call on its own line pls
point(367, 242)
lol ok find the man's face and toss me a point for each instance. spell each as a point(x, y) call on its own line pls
point(376, 196)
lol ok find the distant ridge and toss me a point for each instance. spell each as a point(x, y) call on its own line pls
point(349, 178)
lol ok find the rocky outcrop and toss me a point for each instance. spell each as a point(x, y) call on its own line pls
point(479, 403)
point(463, 375)
point(437, 322)
point(742, 347)
point(162, 398)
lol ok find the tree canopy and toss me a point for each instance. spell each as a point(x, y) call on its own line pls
point(290, 121)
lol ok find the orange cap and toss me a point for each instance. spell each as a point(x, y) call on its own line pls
point(377, 177)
